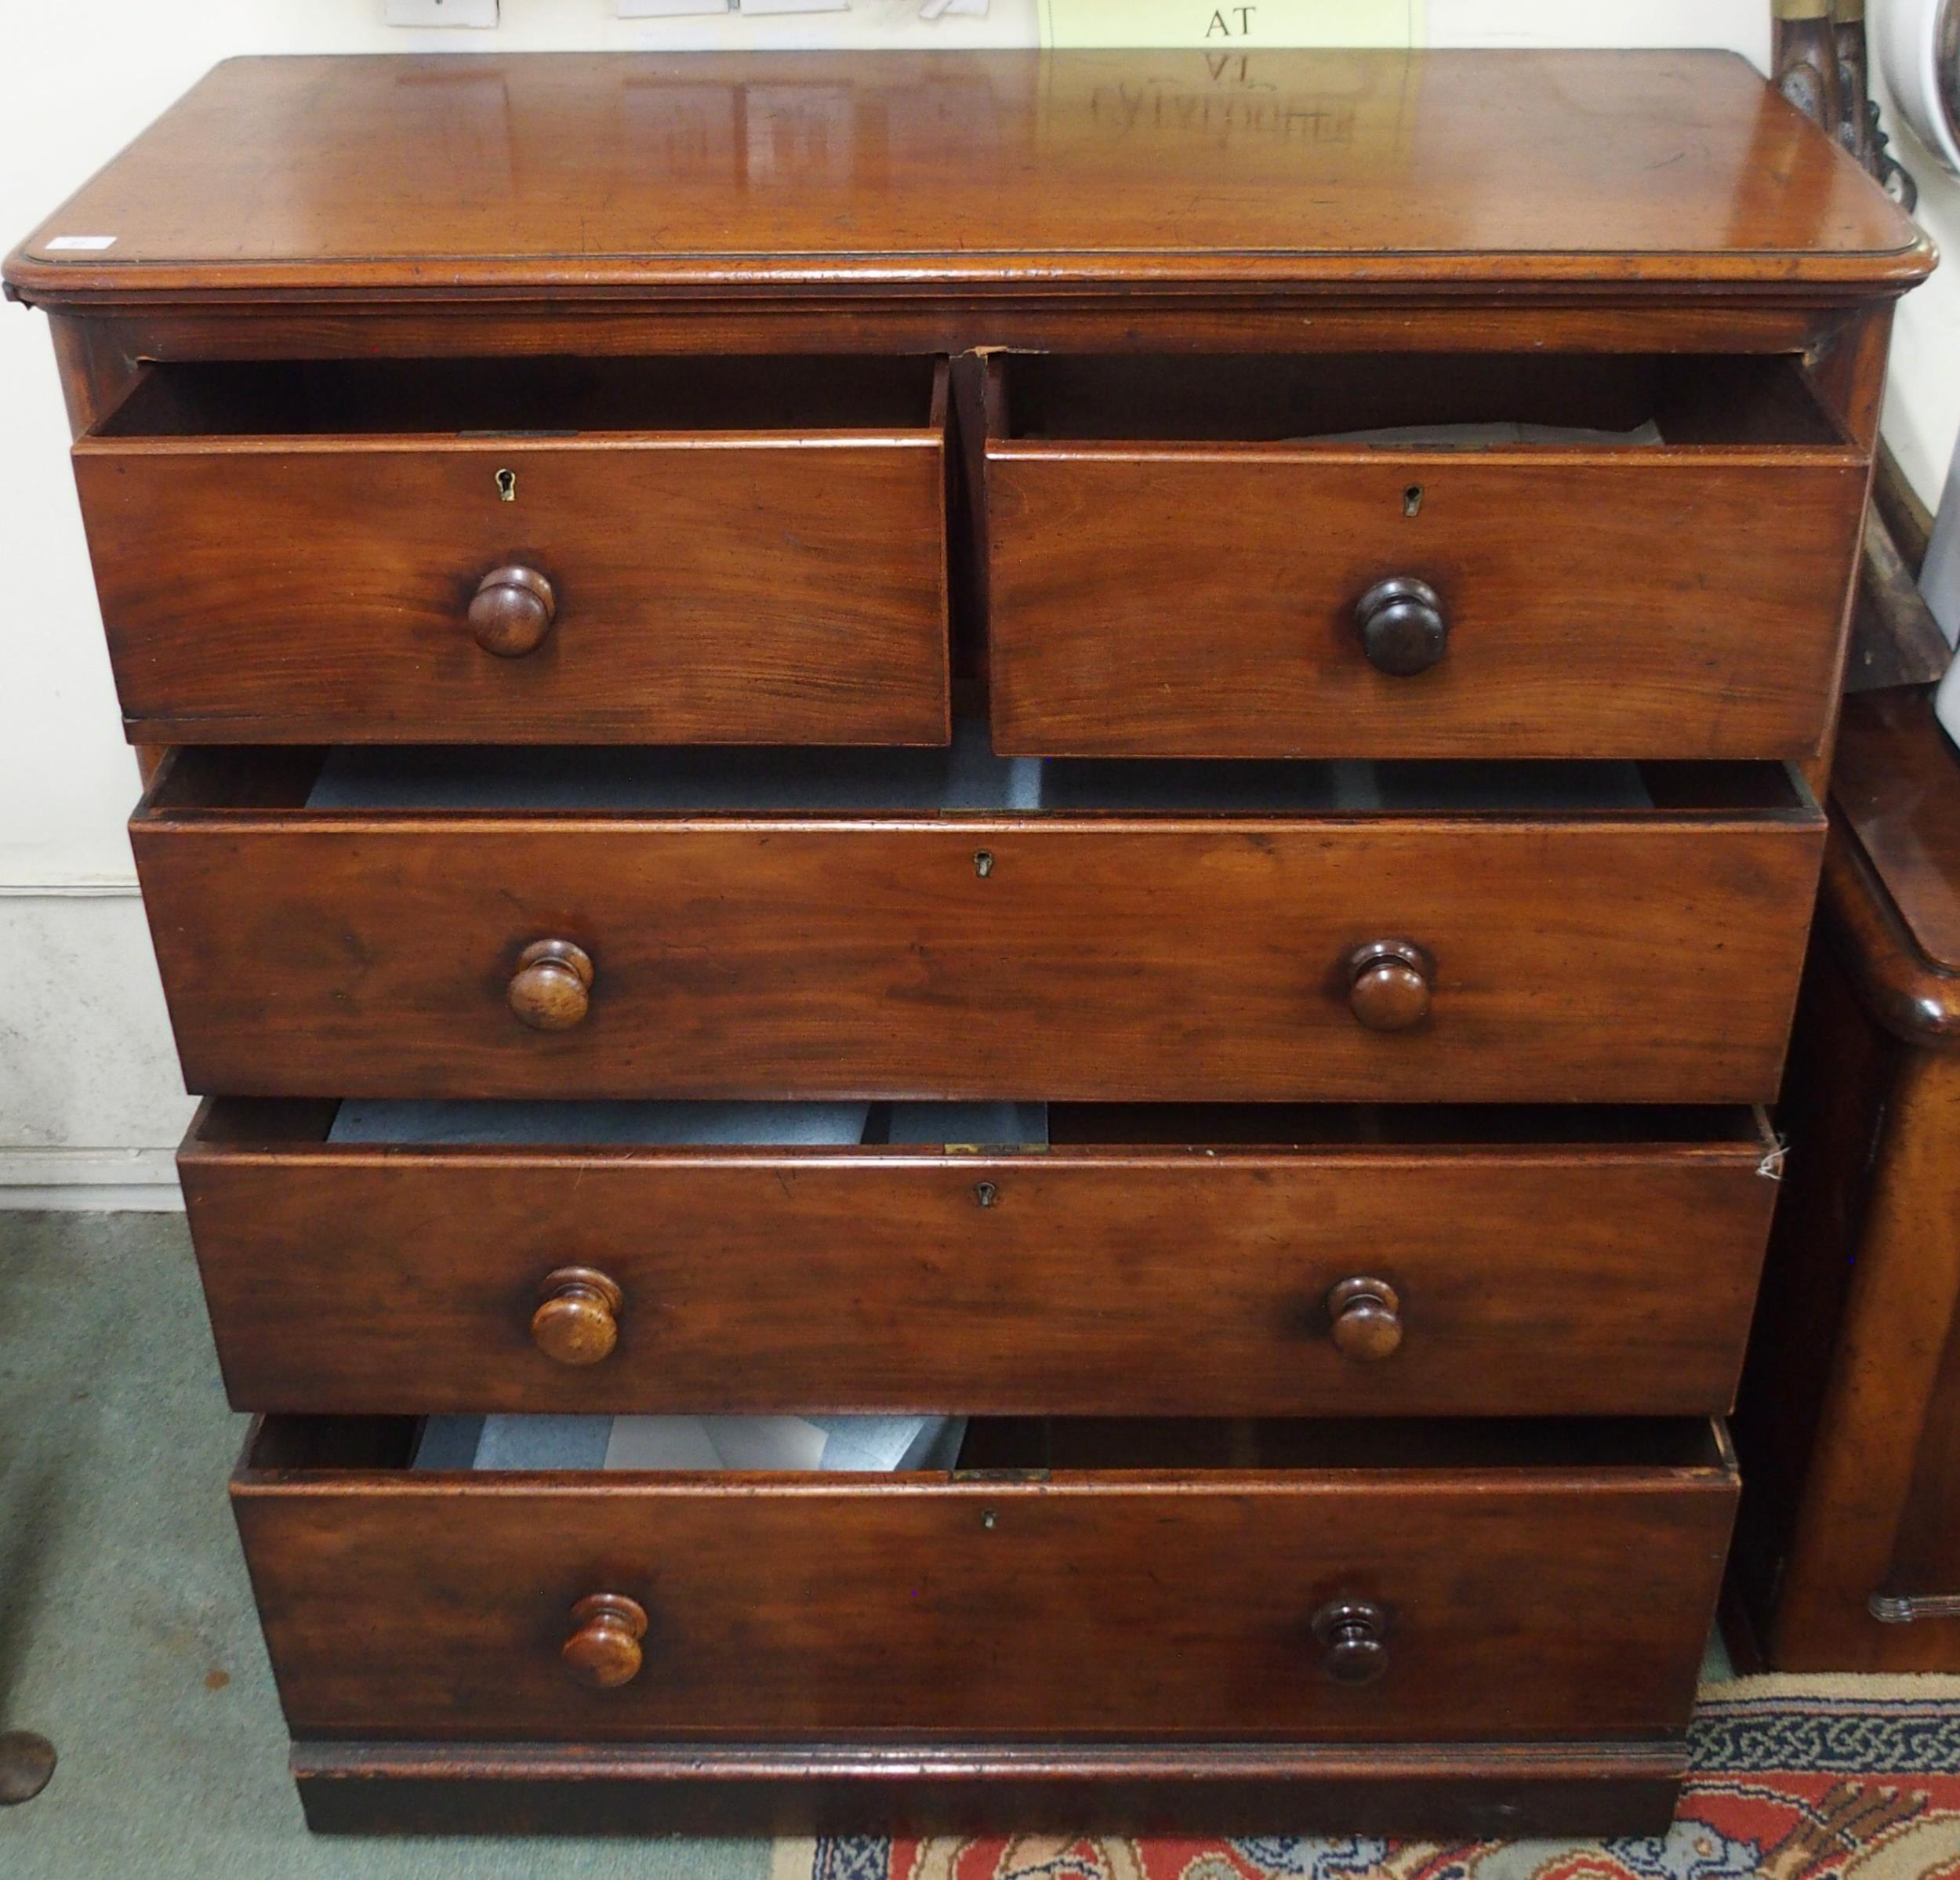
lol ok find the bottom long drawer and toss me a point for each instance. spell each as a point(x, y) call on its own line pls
point(1306, 1582)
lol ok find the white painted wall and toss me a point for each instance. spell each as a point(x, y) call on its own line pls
point(1923, 402)
point(90, 1103)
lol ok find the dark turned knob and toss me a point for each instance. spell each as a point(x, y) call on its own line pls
point(1351, 1632)
point(603, 1651)
point(1402, 629)
point(1388, 985)
point(511, 611)
point(577, 1320)
point(551, 990)
point(1367, 1319)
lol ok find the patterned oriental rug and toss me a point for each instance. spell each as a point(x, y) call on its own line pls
point(1790, 1787)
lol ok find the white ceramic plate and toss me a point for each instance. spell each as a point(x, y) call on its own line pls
point(1919, 49)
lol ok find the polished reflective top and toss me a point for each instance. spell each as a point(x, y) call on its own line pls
point(423, 174)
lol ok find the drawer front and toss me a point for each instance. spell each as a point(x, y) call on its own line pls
point(1642, 959)
point(1508, 1602)
point(709, 590)
point(1478, 1279)
point(1204, 602)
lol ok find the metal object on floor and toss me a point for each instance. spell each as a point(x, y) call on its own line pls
point(26, 1763)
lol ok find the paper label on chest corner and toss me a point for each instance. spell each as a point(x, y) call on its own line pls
point(1233, 28)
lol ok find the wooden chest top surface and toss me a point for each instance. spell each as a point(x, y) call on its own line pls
point(433, 177)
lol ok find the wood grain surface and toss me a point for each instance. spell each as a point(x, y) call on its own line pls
point(1200, 601)
point(1897, 788)
point(1638, 957)
point(730, 587)
point(433, 178)
point(1098, 1602)
point(1552, 1277)
point(1440, 1791)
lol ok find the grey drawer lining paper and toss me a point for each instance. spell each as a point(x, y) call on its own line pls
point(964, 776)
point(722, 1443)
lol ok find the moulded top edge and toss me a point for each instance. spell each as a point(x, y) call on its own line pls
point(438, 177)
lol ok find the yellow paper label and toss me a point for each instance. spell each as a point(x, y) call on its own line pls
point(1236, 28)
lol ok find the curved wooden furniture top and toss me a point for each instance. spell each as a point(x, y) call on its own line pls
point(434, 178)
point(1892, 870)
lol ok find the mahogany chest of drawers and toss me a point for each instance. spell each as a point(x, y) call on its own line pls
point(1275, 618)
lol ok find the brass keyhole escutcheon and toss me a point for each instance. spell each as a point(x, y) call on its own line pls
point(507, 486)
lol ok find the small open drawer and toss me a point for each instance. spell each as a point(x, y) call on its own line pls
point(755, 1258)
point(522, 550)
point(1418, 556)
point(1155, 1580)
point(949, 925)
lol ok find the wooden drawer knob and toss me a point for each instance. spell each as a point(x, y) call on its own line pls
point(577, 1320)
point(1351, 1632)
point(603, 1651)
point(1388, 985)
point(551, 990)
point(1403, 629)
point(511, 611)
point(1367, 1315)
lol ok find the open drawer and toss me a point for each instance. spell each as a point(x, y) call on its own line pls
point(522, 550)
point(1416, 556)
point(949, 925)
point(841, 1258)
point(1157, 1580)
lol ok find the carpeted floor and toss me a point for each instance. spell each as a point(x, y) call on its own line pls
point(1788, 1786)
point(127, 1635)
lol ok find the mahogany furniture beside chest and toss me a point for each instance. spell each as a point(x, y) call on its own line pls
point(1848, 1553)
point(1283, 612)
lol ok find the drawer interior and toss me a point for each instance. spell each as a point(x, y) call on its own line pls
point(546, 397)
point(1056, 1128)
point(691, 1125)
point(1415, 400)
point(1058, 1447)
point(965, 778)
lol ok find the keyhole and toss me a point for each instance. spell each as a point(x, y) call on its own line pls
point(983, 863)
point(1412, 500)
point(507, 486)
point(985, 1193)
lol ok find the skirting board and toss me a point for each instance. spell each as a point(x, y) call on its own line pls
point(109, 1180)
point(1469, 1791)
point(93, 1104)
